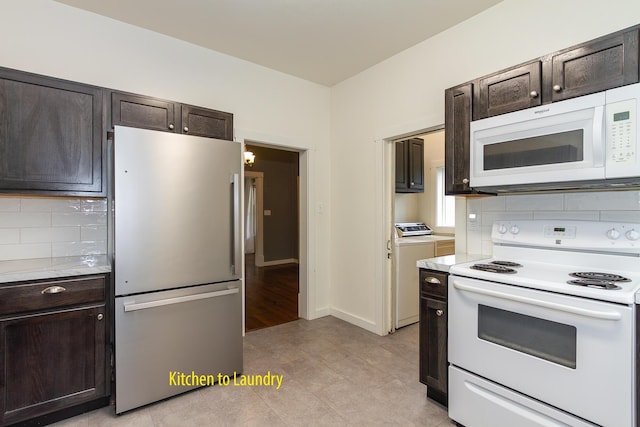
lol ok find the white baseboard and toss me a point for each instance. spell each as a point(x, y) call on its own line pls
point(356, 320)
point(262, 263)
point(317, 314)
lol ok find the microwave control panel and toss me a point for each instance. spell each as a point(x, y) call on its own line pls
point(622, 132)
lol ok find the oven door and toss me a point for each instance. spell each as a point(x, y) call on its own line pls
point(564, 141)
point(572, 353)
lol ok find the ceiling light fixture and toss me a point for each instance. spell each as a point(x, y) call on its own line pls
point(249, 158)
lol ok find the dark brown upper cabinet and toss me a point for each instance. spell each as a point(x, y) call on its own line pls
point(205, 122)
point(51, 139)
point(604, 63)
point(151, 113)
point(410, 166)
point(598, 65)
point(458, 102)
point(509, 90)
point(142, 112)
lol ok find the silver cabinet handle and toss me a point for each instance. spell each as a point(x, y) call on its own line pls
point(177, 300)
point(186, 129)
point(533, 94)
point(439, 313)
point(53, 290)
point(100, 316)
point(465, 181)
point(432, 280)
point(171, 126)
point(557, 88)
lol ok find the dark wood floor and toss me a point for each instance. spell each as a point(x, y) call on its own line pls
point(271, 294)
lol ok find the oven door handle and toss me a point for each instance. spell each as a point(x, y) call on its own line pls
point(603, 315)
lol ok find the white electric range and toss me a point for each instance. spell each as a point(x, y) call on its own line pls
point(544, 332)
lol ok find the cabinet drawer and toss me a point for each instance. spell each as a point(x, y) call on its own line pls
point(433, 283)
point(32, 296)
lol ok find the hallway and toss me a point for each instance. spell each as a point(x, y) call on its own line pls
point(271, 294)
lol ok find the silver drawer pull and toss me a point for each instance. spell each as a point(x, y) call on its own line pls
point(53, 290)
point(439, 313)
point(432, 280)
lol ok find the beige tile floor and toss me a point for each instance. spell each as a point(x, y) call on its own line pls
point(334, 374)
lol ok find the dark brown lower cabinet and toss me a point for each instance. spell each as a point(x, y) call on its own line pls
point(53, 362)
point(433, 334)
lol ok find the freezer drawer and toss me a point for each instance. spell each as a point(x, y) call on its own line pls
point(196, 329)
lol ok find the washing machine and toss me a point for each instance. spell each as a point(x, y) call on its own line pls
point(412, 243)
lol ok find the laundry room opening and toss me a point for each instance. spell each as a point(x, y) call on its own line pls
point(423, 219)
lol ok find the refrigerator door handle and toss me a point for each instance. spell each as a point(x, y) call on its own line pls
point(177, 300)
point(236, 247)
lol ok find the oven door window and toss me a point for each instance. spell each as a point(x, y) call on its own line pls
point(557, 148)
point(552, 341)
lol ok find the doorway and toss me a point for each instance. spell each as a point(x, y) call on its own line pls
point(430, 206)
point(272, 273)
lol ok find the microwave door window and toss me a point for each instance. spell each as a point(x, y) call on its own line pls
point(557, 148)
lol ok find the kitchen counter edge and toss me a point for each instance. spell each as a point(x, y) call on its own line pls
point(444, 263)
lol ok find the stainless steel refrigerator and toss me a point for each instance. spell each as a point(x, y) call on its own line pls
point(177, 252)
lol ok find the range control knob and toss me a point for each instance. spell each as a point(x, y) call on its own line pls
point(632, 234)
point(502, 229)
point(613, 234)
point(514, 229)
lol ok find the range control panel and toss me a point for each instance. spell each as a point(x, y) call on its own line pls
point(582, 235)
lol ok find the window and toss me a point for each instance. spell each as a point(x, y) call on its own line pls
point(445, 205)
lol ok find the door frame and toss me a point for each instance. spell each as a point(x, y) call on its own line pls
point(259, 242)
point(385, 224)
point(306, 228)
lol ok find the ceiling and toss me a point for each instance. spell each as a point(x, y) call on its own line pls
point(324, 41)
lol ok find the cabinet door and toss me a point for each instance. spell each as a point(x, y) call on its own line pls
point(50, 135)
point(143, 112)
point(51, 361)
point(416, 165)
point(510, 90)
point(595, 66)
point(402, 160)
point(433, 346)
point(457, 121)
point(410, 166)
point(208, 123)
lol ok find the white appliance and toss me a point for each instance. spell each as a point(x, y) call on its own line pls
point(544, 332)
point(415, 245)
point(591, 140)
point(178, 299)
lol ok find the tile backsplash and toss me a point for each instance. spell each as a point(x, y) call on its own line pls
point(622, 206)
point(44, 227)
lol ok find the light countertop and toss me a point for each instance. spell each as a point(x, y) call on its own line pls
point(48, 268)
point(443, 263)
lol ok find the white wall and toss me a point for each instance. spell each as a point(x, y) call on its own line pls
point(46, 37)
point(405, 94)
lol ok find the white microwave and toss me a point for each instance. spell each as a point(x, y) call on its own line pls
point(589, 141)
